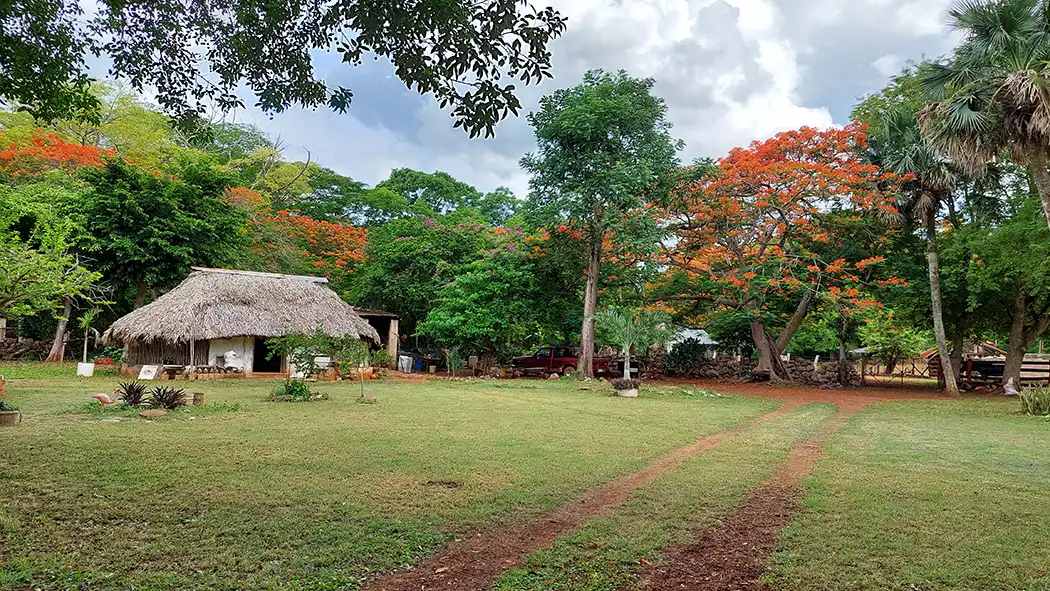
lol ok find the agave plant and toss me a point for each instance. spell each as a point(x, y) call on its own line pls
point(166, 397)
point(132, 393)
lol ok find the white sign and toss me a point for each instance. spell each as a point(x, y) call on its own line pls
point(149, 372)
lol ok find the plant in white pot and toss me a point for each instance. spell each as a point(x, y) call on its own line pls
point(84, 368)
point(631, 329)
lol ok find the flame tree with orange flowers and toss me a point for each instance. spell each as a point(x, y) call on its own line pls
point(765, 225)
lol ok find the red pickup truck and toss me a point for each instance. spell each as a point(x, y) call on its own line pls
point(561, 360)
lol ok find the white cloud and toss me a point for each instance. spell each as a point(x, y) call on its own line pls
point(732, 71)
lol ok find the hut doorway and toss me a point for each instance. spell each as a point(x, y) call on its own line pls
point(260, 363)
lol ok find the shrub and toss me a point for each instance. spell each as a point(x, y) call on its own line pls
point(685, 358)
point(624, 384)
point(166, 397)
point(1035, 401)
point(132, 393)
point(5, 407)
point(291, 391)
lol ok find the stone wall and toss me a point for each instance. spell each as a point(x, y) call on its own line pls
point(27, 350)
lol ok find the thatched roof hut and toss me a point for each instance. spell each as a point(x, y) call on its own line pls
point(220, 304)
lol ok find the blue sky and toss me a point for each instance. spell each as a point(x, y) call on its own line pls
point(732, 71)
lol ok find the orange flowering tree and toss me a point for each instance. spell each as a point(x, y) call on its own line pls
point(771, 227)
point(48, 152)
point(289, 242)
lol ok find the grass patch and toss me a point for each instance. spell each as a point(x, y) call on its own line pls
point(923, 496)
point(304, 496)
point(604, 554)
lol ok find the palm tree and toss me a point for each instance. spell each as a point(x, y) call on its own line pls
point(904, 151)
point(992, 96)
point(628, 330)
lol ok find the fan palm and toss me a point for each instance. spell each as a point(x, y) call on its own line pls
point(992, 96)
point(904, 151)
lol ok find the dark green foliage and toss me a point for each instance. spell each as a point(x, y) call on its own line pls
point(166, 397)
point(5, 407)
point(684, 358)
point(142, 227)
point(42, 67)
point(291, 391)
point(1035, 401)
point(195, 55)
point(132, 393)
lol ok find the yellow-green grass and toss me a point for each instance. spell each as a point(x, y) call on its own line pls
point(322, 495)
point(926, 495)
point(606, 554)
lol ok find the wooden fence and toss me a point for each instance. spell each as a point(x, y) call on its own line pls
point(988, 371)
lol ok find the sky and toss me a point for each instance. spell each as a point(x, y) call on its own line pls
point(731, 71)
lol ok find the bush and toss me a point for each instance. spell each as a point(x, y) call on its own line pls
point(685, 358)
point(5, 407)
point(132, 393)
point(166, 397)
point(1035, 401)
point(291, 391)
point(624, 384)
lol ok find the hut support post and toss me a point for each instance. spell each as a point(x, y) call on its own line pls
point(191, 353)
point(393, 339)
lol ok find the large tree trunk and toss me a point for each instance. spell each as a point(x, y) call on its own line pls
point(796, 321)
point(140, 297)
point(769, 362)
point(1037, 164)
point(958, 343)
point(590, 307)
point(58, 347)
point(933, 258)
point(1017, 346)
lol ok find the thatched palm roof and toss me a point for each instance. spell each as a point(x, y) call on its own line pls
point(220, 303)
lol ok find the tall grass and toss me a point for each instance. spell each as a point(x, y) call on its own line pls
point(1035, 401)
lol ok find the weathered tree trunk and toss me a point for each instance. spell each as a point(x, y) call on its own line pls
point(843, 335)
point(1037, 164)
point(958, 343)
point(58, 347)
point(796, 321)
point(140, 297)
point(590, 307)
point(933, 259)
point(769, 362)
point(1017, 346)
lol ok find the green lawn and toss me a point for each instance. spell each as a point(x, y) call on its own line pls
point(315, 495)
point(926, 495)
point(913, 495)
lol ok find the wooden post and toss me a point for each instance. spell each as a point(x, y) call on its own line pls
point(393, 339)
point(864, 370)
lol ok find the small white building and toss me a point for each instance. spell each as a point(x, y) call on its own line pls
point(218, 311)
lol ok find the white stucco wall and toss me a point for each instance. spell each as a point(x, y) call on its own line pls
point(243, 346)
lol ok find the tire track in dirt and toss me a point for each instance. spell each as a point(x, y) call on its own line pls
point(731, 555)
point(473, 563)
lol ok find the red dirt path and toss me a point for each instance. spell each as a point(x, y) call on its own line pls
point(731, 555)
point(475, 562)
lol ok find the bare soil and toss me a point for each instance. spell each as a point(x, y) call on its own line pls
point(731, 555)
point(474, 562)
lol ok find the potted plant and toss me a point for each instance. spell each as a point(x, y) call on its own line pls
point(9, 415)
point(625, 387)
point(638, 329)
point(84, 368)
